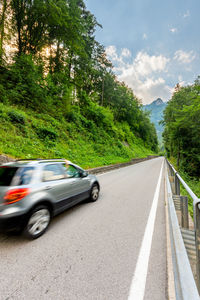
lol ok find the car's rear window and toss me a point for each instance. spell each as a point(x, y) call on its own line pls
point(15, 175)
point(6, 175)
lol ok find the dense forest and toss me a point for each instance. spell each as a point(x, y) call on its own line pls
point(182, 128)
point(51, 64)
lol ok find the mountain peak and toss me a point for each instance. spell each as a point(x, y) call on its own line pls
point(158, 101)
point(156, 109)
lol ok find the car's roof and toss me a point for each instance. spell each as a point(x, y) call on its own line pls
point(32, 162)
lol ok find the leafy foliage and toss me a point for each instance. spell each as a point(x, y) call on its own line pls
point(81, 141)
point(60, 70)
point(44, 133)
point(16, 117)
point(182, 128)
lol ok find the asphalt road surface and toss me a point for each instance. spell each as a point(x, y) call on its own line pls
point(91, 251)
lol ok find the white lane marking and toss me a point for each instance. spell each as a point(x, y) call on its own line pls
point(137, 289)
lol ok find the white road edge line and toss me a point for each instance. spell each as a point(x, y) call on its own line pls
point(137, 289)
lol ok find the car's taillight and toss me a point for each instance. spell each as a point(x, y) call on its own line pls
point(15, 195)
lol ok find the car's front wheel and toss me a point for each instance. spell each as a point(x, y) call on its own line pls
point(38, 222)
point(94, 194)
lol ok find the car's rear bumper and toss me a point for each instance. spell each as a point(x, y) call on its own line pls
point(11, 223)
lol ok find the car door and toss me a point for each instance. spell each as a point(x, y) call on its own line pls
point(56, 184)
point(80, 186)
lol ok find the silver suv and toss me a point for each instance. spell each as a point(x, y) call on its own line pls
point(33, 191)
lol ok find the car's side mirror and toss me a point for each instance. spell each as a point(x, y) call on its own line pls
point(84, 174)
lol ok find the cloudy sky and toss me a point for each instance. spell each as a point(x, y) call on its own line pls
point(152, 44)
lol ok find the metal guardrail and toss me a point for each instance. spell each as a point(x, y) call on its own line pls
point(184, 278)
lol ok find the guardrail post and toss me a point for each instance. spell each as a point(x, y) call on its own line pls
point(171, 171)
point(171, 179)
point(197, 241)
point(184, 212)
point(177, 185)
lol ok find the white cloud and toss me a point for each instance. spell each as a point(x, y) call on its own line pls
point(173, 30)
point(145, 64)
point(184, 57)
point(182, 83)
point(187, 14)
point(126, 52)
point(142, 74)
point(111, 52)
point(144, 36)
point(148, 89)
point(153, 76)
point(180, 78)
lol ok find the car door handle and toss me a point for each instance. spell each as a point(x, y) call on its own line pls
point(48, 187)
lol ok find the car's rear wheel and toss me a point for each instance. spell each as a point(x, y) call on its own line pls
point(94, 194)
point(38, 222)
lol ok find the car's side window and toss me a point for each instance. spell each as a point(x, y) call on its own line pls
point(25, 175)
point(71, 171)
point(52, 172)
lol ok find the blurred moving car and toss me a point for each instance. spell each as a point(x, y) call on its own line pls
point(33, 191)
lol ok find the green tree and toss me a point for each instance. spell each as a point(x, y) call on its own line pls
point(59, 65)
point(182, 128)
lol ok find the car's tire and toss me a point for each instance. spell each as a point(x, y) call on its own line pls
point(94, 193)
point(37, 222)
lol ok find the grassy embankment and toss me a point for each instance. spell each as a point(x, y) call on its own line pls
point(193, 183)
point(27, 134)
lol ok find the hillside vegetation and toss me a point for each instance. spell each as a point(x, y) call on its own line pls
point(59, 96)
point(31, 135)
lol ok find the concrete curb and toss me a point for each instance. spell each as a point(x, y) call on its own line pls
point(117, 166)
point(5, 159)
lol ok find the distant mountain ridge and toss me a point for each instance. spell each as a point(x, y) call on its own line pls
point(156, 108)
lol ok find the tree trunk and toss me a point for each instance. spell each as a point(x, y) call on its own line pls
point(19, 10)
point(70, 65)
point(50, 61)
point(57, 58)
point(178, 156)
point(19, 38)
point(102, 94)
point(2, 31)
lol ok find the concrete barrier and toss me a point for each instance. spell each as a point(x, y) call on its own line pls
point(5, 159)
point(121, 165)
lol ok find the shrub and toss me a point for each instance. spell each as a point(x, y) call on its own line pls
point(46, 133)
point(27, 85)
point(3, 94)
point(102, 116)
point(49, 119)
point(16, 117)
point(74, 115)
